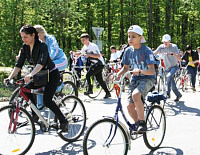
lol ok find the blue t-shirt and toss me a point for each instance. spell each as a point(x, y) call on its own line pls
point(139, 58)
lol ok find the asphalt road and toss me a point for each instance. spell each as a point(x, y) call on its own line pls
point(182, 132)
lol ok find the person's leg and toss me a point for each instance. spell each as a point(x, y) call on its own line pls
point(193, 75)
point(174, 88)
point(169, 84)
point(49, 92)
point(99, 78)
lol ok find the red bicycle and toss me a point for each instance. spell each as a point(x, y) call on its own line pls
point(17, 126)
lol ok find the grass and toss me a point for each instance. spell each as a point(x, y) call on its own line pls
point(5, 92)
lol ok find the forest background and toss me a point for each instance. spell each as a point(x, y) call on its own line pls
point(68, 19)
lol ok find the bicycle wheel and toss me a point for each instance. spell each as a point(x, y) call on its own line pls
point(74, 110)
point(96, 88)
point(69, 88)
point(15, 141)
point(109, 81)
point(179, 82)
point(156, 126)
point(98, 136)
point(67, 76)
point(160, 84)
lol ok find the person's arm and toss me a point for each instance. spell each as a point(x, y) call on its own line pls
point(177, 54)
point(124, 69)
point(13, 73)
point(53, 46)
point(150, 71)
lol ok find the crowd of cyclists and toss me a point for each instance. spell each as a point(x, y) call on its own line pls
point(41, 50)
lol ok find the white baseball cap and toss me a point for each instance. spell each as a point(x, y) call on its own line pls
point(166, 38)
point(137, 29)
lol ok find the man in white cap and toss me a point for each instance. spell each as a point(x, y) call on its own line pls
point(171, 58)
point(140, 59)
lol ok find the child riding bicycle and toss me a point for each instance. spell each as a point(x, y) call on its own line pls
point(141, 61)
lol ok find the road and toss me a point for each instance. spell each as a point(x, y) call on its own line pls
point(182, 132)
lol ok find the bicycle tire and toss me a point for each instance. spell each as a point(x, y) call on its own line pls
point(96, 138)
point(96, 88)
point(69, 88)
point(22, 139)
point(109, 82)
point(156, 127)
point(161, 86)
point(67, 76)
point(178, 82)
point(74, 110)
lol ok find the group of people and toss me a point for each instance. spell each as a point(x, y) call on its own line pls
point(42, 50)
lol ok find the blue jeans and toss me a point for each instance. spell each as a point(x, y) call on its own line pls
point(193, 72)
point(170, 81)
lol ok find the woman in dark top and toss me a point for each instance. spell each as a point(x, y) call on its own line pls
point(191, 58)
point(36, 53)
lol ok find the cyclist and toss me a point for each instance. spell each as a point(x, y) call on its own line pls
point(36, 53)
point(96, 63)
point(141, 61)
point(191, 58)
point(170, 59)
point(55, 52)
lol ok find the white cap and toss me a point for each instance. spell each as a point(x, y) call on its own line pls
point(166, 38)
point(137, 29)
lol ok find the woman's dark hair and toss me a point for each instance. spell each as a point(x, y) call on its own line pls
point(29, 29)
point(188, 47)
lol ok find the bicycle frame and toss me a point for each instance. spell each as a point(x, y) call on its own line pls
point(22, 92)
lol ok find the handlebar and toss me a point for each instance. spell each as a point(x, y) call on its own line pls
point(121, 80)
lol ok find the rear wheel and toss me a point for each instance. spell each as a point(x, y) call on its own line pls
point(156, 126)
point(74, 110)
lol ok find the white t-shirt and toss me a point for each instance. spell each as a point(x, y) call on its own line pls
point(92, 49)
point(113, 56)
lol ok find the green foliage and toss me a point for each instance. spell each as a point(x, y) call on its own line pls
point(67, 19)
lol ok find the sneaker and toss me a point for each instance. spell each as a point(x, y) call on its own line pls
point(177, 98)
point(142, 128)
point(107, 95)
point(193, 88)
point(88, 92)
point(64, 126)
point(168, 96)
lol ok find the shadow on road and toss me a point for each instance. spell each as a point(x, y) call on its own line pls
point(173, 109)
point(166, 151)
point(68, 148)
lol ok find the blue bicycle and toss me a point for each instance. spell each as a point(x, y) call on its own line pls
point(111, 136)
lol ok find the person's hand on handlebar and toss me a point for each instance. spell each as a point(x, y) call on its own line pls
point(136, 71)
point(27, 78)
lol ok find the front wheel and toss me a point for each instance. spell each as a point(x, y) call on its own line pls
point(97, 139)
point(15, 141)
point(96, 88)
point(156, 126)
point(109, 81)
point(74, 110)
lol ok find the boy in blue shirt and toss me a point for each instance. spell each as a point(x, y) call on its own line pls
point(140, 59)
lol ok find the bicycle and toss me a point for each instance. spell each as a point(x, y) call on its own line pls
point(18, 129)
point(161, 75)
point(184, 79)
point(110, 136)
point(82, 85)
point(110, 77)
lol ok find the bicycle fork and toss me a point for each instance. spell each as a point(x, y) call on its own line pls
point(14, 118)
